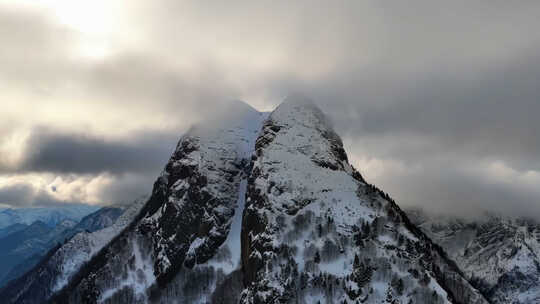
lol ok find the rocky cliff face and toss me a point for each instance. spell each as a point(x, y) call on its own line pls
point(183, 225)
point(266, 209)
point(500, 255)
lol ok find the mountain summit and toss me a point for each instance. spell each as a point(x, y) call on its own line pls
point(265, 208)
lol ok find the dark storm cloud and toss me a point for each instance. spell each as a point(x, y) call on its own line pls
point(460, 189)
point(62, 153)
point(493, 116)
point(21, 193)
point(443, 126)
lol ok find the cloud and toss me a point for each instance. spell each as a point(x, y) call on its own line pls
point(426, 96)
point(459, 188)
point(48, 189)
point(127, 188)
point(26, 195)
point(63, 153)
point(491, 116)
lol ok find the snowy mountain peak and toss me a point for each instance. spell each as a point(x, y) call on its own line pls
point(298, 99)
point(237, 105)
point(258, 208)
point(314, 230)
point(302, 126)
point(301, 112)
point(226, 116)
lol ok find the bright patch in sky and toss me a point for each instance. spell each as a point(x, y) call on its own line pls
point(93, 21)
point(90, 17)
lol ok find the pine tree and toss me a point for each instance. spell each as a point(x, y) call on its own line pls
point(397, 284)
point(366, 229)
point(317, 258)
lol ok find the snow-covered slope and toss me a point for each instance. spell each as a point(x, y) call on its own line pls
point(100, 219)
point(266, 209)
point(62, 262)
point(501, 255)
point(72, 255)
point(184, 223)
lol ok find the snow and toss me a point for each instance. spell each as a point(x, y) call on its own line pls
point(233, 238)
point(489, 248)
point(339, 267)
point(195, 245)
point(380, 287)
point(289, 163)
point(314, 206)
point(49, 215)
point(80, 249)
point(219, 151)
point(139, 278)
point(245, 149)
point(437, 288)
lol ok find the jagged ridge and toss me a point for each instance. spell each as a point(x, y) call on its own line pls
point(312, 228)
point(315, 231)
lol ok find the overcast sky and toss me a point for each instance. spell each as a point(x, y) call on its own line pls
point(437, 103)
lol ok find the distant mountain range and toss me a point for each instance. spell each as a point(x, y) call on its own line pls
point(499, 255)
point(50, 216)
point(61, 263)
point(12, 229)
point(23, 245)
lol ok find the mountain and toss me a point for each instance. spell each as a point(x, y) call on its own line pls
point(499, 254)
point(22, 244)
point(314, 230)
point(264, 208)
point(12, 229)
point(100, 219)
point(52, 272)
point(24, 248)
point(28, 245)
point(22, 267)
point(48, 215)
